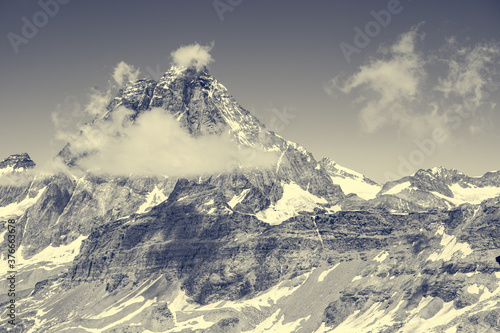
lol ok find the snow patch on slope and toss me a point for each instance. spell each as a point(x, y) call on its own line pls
point(262, 301)
point(53, 256)
point(238, 198)
point(18, 208)
point(125, 319)
point(450, 247)
point(323, 274)
point(474, 195)
point(473, 289)
point(154, 198)
point(272, 324)
point(294, 200)
point(349, 180)
point(357, 186)
point(381, 256)
point(133, 298)
point(398, 188)
point(349, 171)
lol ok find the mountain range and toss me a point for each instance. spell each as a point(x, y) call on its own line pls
point(291, 244)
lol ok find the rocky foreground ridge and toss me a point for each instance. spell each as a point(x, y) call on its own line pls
point(298, 246)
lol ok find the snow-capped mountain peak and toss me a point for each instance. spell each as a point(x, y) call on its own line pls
point(16, 163)
point(199, 102)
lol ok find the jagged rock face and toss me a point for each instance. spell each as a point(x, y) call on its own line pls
point(12, 193)
point(190, 230)
point(198, 101)
point(440, 272)
point(222, 254)
point(453, 176)
point(482, 229)
point(404, 269)
point(44, 213)
point(178, 239)
point(68, 207)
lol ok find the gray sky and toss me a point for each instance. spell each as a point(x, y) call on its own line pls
point(401, 85)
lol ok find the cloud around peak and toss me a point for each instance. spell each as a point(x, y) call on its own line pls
point(124, 73)
point(193, 55)
point(156, 144)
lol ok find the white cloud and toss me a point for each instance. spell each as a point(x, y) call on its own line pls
point(17, 178)
point(192, 55)
point(70, 115)
point(332, 87)
point(124, 73)
point(98, 101)
point(400, 86)
point(470, 69)
point(394, 79)
point(156, 144)
point(65, 112)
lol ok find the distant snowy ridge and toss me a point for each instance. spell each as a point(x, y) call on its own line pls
point(350, 181)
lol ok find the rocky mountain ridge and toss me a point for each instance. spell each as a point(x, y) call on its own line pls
point(443, 188)
point(299, 246)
